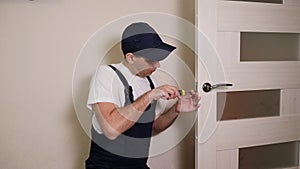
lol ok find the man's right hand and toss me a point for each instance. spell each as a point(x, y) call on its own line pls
point(164, 92)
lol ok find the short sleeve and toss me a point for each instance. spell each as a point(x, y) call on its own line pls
point(103, 87)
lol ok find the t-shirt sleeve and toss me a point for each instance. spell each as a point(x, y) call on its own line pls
point(101, 86)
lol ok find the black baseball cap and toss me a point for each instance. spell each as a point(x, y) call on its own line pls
point(142, 40)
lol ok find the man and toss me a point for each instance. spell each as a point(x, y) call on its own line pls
point(125, 102)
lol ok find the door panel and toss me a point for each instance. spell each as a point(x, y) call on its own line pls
point(218, 143)
point(262, 17)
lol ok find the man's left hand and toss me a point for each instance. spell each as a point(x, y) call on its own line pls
point(189, 102)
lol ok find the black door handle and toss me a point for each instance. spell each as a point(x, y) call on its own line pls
point(207, 87)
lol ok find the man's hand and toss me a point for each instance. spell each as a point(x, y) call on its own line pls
point(189, 102)
point(164, 92)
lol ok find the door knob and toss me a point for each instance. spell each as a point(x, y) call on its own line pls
point(207, 87)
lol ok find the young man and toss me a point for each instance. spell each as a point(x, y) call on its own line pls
point(125, 102)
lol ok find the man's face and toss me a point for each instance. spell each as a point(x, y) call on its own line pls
point(145, 67)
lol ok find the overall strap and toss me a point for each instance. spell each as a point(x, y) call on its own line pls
point(150, 82)
point(152, 87)
point(127, 88)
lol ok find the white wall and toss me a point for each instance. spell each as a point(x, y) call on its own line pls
point(39, 43)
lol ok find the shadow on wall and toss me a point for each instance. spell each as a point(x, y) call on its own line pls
point(79, 139)
point(80, 122)
point(114, 55)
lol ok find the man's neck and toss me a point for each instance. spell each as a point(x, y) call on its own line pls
point(129, 67)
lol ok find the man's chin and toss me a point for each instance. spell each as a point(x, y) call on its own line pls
point(152, 71)
point(144, 74)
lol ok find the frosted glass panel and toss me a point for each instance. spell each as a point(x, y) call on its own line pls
point(265, 1)
point(281, 155)
point(258, 46)
point(248, 104)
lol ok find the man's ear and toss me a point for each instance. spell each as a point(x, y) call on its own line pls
point(129, 57)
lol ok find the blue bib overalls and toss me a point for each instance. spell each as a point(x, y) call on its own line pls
point(129, 150)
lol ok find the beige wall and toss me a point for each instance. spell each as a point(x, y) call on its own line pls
point(39, 43)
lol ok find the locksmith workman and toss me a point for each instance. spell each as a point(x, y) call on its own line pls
point(126, 102)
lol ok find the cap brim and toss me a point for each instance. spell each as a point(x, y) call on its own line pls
point(156, 54)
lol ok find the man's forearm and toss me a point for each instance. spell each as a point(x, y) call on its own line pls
point(114, 121)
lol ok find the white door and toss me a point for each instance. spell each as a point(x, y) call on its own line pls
point(255, 47)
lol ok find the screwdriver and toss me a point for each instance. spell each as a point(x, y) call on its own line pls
point(181, 92)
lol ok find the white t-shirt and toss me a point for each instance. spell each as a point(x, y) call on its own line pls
point(105, 86)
